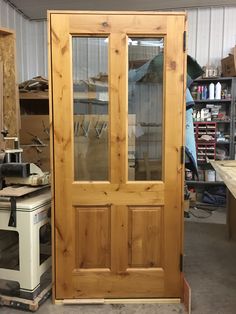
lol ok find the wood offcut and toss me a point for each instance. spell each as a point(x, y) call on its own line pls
point(10, 91)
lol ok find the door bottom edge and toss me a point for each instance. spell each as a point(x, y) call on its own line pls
point(120, 301)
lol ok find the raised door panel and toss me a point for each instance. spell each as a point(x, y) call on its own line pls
point(145, 237)
point(93, 237)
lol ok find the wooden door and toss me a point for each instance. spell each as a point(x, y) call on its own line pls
point(117, 115)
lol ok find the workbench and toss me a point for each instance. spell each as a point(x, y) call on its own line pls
point(227, 171)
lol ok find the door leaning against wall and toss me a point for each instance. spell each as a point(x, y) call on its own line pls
point(117, 113)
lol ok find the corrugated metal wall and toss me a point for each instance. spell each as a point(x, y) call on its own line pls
point(211, 35)
point(31, 42)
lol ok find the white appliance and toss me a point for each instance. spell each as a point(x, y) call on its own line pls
point(32, 212)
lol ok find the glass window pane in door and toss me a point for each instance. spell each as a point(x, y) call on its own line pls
point(145, 108)
point(90, 100)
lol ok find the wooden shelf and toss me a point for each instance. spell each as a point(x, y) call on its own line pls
point(34, 95)
point(86, 98)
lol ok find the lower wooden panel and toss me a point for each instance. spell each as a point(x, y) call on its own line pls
point(145, 231)
point(104, 284)
point(93, 238)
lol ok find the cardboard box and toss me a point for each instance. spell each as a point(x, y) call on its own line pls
point(228, 64)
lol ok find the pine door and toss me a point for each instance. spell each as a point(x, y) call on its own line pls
point(117, 117)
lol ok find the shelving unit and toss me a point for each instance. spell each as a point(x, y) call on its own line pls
point(205, 148)
point(219, 127)
point(225, 125)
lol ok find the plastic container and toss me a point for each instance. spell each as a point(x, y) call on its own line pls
point(211, 91)
point(210, 175)
point(218, 91)
point(198, 116)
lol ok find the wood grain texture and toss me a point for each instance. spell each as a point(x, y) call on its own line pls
point(93, 235)
point(145, 237)
point(227, 171)
point(174, 96)
point(51, 129)
point(131, 24)
point(10, 90)
point(119, 238)
point(159, 220)
point(61, 155)
point(123, 284)
point(33, 126)
point(118, 107)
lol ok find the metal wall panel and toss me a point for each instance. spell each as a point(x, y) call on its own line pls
point(216, 36)
point(212, 33)
point(31, 42)
point(192, 32)
point(203, 36)
point(229, 30)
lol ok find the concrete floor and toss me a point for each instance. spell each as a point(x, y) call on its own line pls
point(210, 268)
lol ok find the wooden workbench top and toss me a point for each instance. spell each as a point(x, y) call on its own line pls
point(227, 170)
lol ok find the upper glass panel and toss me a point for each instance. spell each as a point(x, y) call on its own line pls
point(90, 93)
point(145, 120)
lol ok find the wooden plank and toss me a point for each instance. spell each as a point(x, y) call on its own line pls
point(227, 171)
point(34, 95)
point(19, 191)
point(174, 99)
point(91, 24)
point(52, 165)
point(118, 107)
point(24, 304)
point(76, 12)
point(187, 299)
point(10, 90)
point(33, 127)
point(62, 144)
point(119, 301)
point(130, 194)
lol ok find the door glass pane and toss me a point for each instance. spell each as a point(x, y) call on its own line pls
point(145, 108)
point(91, 123)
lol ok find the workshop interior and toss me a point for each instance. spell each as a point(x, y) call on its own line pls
point(117, 157)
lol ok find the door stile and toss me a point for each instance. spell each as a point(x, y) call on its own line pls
point(118, 86)
point(173, 168)
point(118, 75)
point(62, 97)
